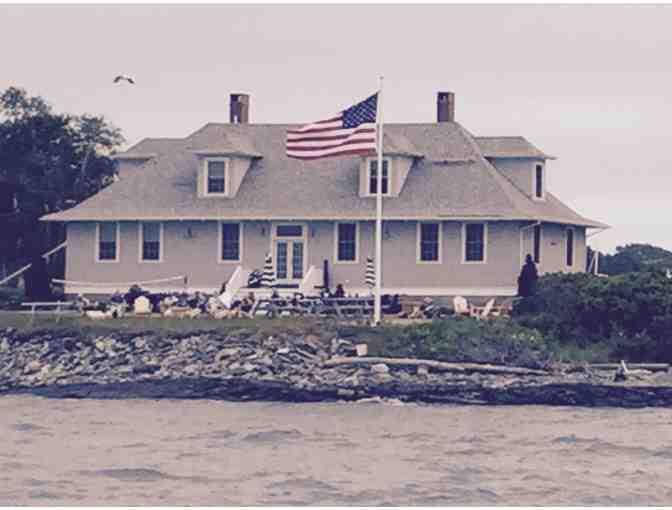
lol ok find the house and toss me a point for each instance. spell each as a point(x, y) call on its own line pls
point(460, 212)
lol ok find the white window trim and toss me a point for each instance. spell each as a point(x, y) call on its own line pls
point(368, 177)
point(534, 182)
point(573, 247)
point(304, 238)
point(485, 242)
point(118, 243)
point(418, 242)
point(357, 244)
point(140, 243)
point(227, 176)
point(241, 236)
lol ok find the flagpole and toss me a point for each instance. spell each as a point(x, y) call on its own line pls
point(379, 205)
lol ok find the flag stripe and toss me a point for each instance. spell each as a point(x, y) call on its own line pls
point(350, 132)
point(311, 146)
point(358, 152)
point(318, 138)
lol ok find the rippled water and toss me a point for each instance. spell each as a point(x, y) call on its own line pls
point(70, 452)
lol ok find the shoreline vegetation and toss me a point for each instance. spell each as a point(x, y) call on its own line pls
point(556, 348)
point(454, 361)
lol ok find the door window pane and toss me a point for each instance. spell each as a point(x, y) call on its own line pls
point(297, 259)
point(281, 263)
point(289, 231)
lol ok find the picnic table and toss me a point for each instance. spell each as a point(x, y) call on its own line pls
point(315, 305)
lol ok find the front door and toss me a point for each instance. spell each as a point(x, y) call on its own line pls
point(289, 253)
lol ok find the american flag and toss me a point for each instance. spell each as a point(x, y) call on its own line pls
point(352, 131)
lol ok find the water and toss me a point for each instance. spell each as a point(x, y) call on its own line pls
point(141, 452)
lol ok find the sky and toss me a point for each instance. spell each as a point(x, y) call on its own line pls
point(589, 84)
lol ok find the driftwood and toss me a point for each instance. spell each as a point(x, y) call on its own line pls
point(438, 366)
point(651, 367)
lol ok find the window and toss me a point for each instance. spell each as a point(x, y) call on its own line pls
point(150, 239)
point(346, 242)
point(539, 181)
point(474, 242)
point(230, 242)
point(216, 177)
point(289, 231)
point(373, 177)
point(537, 244)
point(108, 233)
point(569, 243)
point(429, 242)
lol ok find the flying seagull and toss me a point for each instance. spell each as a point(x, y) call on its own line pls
point(122, 77)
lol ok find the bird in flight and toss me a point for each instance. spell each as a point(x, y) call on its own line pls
point(122, 77)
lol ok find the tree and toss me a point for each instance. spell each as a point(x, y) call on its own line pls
point(50, 161)
point(634, 258)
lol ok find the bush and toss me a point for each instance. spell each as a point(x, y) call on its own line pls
point(459, 339)
point(631, 312)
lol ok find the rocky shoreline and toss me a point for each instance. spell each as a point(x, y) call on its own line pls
point(244, 365)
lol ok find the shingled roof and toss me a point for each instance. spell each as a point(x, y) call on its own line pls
point(450, 179)
point(509, 147)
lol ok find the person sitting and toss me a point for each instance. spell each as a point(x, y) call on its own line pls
point(393, 305)
point(339, 292)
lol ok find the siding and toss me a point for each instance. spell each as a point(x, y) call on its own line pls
point(196, 255)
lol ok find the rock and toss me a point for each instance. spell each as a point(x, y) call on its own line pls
point(423, 370)
point(284, 350)
point(380, 368)
point(248, 367)
point(32, 367)
point(362, 349)
point(100, 345)
point(226, 353)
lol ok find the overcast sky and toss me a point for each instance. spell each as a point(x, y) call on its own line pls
point(588, 84)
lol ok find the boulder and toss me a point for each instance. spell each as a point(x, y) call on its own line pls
point(380, 368)
point(32, 367)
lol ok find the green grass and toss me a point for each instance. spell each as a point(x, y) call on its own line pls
point(454, 339)
point(28, 323)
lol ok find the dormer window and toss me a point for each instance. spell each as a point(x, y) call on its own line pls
point(539, 183)
point(373, 177)
point(216, 176)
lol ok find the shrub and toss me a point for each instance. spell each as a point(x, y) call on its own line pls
point(632, 312)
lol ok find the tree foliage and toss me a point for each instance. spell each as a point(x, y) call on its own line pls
point(632, 312)
point(635, 257)
point(51, 161)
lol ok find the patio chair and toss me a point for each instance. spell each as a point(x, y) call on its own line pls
point(482, 312)
point(461, 306)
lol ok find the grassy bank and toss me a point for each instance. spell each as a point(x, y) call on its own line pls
point(454, 339)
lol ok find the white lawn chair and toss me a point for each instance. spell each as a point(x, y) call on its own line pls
point(482, 312)
point(460, 306)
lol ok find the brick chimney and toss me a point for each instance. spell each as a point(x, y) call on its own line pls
point(445, 107)
point(239, 109)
